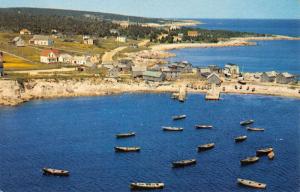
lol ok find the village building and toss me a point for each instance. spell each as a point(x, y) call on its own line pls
point(170, 74)
point(41, 40)
point(18, 41)
point(123, 68)
point(25, 32)
point(183, 66)
point(79, 60)
point(89, 41)
point(174, 27)
point(193, 33)
point(1, 65)
point(121, 39)
point(214, 78)
point(155, 76)
point(203, 72)
point(285, 78)
point(231, 70)
point(162, 36)
point(215, 69)
point(113, 72)
point(49, 56)
point(268, 76)
point(65, 58)
point(137, 71)
point(177, 39)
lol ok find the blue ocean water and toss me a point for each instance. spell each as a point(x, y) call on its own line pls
point(281, 56)
point(289, 27)
point(78, 134)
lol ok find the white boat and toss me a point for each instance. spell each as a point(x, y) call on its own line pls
point(144, 186)
point(172, 128)
point(252, 184)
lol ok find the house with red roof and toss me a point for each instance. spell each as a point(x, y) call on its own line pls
point(49, 56)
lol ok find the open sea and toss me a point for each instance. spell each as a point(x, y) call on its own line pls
point(78, 134)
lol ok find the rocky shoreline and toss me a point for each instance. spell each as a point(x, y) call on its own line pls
point(13, 93)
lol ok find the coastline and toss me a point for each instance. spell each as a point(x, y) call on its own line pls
point(233, 42)
point(13, 93)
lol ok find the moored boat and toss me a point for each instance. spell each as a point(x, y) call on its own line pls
point(247, 122)
point(127, 149)
point(249, 160)
point(125, 135)
point(255, 129)
point(242, 82)
point(56, 172)
point(203, 126)
point(264, 151)
point(252, 184)
point(206, 147)
point(178, 117)
point(144, 186)
point(240, 138)
point(172, 128)
point(184, 163)
point(271, 155)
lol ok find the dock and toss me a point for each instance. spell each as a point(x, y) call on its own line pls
point(212, 94)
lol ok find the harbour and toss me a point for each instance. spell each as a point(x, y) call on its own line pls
point(89, 148)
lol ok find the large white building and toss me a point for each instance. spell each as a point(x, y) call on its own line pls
point(41, 40)
point(49, 56)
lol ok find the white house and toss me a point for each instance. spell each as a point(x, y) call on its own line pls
point(49, 56)
point(65, 58)
point(41, 40)
point(19, 42)
point(122, 39)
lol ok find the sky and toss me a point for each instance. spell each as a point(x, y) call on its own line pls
point(263, 9)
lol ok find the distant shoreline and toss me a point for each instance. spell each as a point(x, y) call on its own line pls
point(233, 42)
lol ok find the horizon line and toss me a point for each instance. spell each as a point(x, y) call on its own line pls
point(181, 18)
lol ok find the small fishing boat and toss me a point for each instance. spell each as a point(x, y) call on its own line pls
point(145, 186)
point(264, 151)
point(125, 135)
point(252, 184)
point(240, 138)
point(172, 128)
point(247, 122)
point(56, 172)
point(242, 82)
point(127, 149)
point(271, 155)
point(249, 160)
point(178, 117)
point(184, 163)
point(203, 126)
point(206, 147)
point(255, 129)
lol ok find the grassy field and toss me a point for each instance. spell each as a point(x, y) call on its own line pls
point(31, 54)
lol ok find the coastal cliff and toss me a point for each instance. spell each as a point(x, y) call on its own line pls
point(14, 92)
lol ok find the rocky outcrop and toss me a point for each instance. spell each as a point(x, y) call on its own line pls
point(14, 92)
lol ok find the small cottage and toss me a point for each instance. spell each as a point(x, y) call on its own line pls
point(170, 74)
point(203, 72)
point(89, 41)
point(113, 72)
point(214, 79)
point(268, 76)
point(193, 33)
point(137, 71)
point(41, 40)
point(79, 60)
point(231, 70)
point(114, 31)
point(65, 58)
point(121, 39)
point(19, 42)
point(49, 56)
point(285, 78)
point(155, 76)
point(25, 32)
